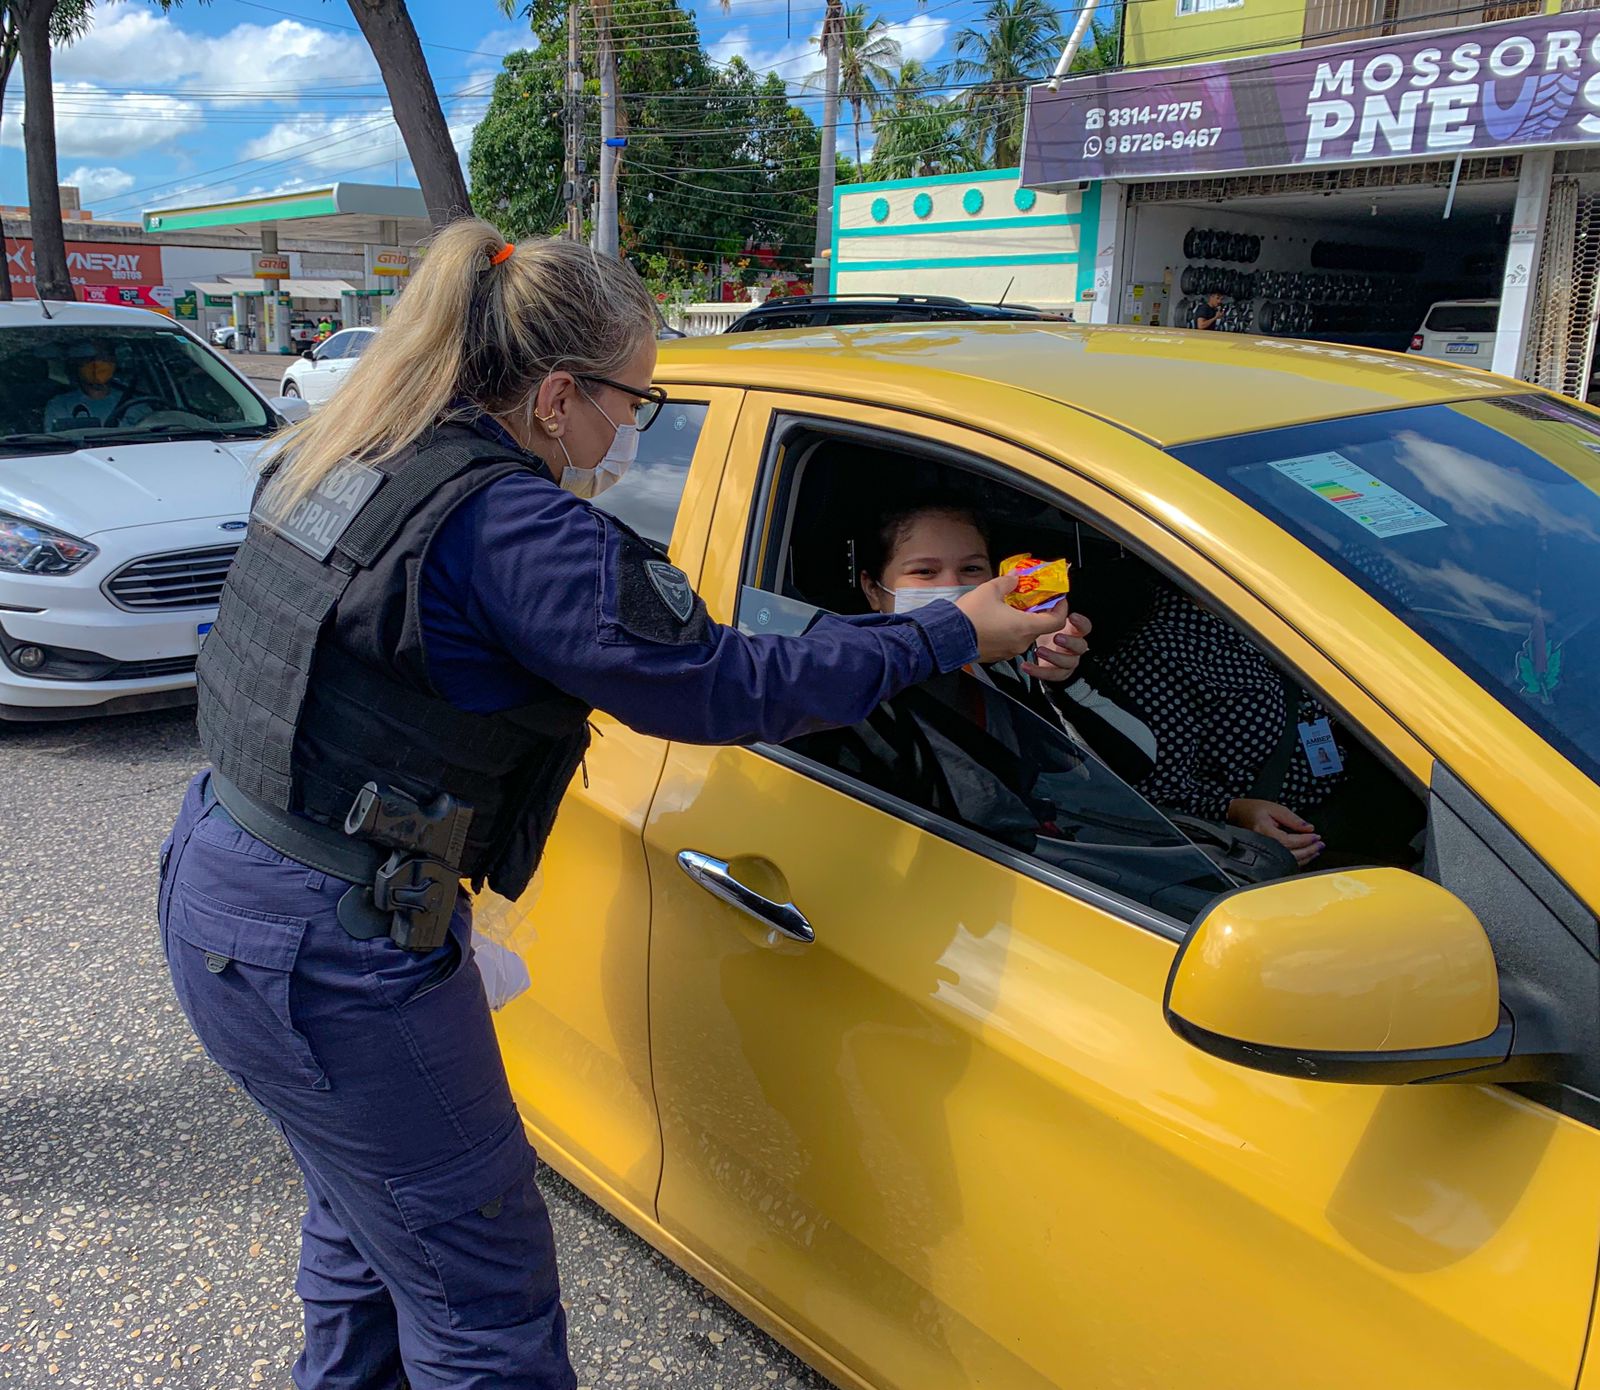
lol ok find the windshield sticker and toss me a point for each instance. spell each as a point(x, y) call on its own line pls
point(1369, 502)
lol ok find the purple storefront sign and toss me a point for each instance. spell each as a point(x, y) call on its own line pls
point(1512, 85)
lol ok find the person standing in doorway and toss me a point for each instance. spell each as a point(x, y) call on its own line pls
point(1209, 314)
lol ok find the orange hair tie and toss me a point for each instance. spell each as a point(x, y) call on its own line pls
point(503, 254)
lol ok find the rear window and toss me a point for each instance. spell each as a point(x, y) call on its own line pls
point(1477, 524)
point(63, 386)
point(1463, 318)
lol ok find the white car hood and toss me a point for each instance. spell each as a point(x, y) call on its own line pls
point(123, 485)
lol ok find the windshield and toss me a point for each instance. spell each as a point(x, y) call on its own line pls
point(1477, 524)
point(62, 387)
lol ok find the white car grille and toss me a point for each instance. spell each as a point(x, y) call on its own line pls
point(178, 579)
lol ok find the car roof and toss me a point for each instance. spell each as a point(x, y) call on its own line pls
point(27, 313)
point(1170, 386)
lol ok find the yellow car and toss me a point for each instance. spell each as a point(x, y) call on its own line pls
point(941, 1108)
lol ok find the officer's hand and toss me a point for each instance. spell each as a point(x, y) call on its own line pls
point(1004, 631)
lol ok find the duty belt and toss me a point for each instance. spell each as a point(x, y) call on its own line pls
point(403, 887)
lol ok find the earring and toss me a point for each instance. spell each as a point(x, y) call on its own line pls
point(548, 421)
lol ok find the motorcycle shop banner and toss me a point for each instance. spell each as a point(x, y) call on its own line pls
point(89, 263)
point(1512, 85)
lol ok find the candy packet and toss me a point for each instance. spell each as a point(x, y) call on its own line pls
point(1041, 584)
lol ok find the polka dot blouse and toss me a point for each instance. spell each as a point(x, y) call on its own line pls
point(1215, 704)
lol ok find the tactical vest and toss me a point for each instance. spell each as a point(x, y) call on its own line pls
point(313, 681)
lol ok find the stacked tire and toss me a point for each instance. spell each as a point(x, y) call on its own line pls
point(1201, 244)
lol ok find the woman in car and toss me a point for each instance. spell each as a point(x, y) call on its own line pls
point(938, 547)
point(1237, 741)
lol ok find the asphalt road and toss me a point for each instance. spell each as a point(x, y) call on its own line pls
point(264, 369)
point(149, 1215)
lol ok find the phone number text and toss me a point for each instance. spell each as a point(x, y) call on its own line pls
point(1144, 142)
point(1164, 114)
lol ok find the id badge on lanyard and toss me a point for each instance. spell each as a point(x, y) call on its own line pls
point(1322, 754)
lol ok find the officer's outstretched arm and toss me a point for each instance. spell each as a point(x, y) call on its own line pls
point(585, 604)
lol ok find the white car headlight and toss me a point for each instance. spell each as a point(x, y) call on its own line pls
point(30, 547)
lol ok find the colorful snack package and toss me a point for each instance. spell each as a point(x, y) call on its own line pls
point(1041, 584)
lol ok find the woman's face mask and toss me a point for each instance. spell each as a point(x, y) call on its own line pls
point(910, 599)
point(591, 482)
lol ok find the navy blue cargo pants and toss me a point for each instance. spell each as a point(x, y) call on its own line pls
point(426, 1243)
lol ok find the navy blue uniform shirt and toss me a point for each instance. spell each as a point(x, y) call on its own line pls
point(525, 582)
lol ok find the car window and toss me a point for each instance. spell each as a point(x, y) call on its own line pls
point(793, 318)
point(70, 384)
point(1463, 318)
point(961, 748)
point(647, 498)
point(978, 755)
point(359, 342)
point(336, 347)
point(1477, 524)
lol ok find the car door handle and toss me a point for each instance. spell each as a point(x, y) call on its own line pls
point(715, 877)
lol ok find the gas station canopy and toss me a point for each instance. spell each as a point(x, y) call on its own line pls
point(368, 213)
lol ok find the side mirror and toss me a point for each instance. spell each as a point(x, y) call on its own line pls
point(290, 409)
point(1373, 976)
point(310, 354)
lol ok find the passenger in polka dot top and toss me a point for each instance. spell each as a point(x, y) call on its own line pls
point(1216, 706)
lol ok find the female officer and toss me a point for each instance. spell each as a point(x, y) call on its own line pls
point(393, 698)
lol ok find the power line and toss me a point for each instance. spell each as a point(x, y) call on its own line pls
point(261, 164)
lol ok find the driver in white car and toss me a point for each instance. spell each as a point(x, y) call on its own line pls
point(97, 397)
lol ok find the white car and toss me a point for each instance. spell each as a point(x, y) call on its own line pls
point(127, 461)
point(1459, 330)
point(224, 335)
point(316, 376)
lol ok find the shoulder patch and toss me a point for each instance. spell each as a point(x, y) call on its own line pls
point(317, 520)
point(673, 586)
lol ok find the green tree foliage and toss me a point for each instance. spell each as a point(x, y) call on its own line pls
point(1018, 42)
point(717, 159)
point(920, 131)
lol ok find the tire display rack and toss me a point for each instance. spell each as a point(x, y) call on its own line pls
point(1296, 303)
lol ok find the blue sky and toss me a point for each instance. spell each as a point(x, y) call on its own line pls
point(250, 96)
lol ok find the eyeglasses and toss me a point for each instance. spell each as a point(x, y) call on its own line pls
point(651, 399)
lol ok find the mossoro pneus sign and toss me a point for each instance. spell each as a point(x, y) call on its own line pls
point(1516, 84)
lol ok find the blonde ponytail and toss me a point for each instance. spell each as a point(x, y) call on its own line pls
point(469, 329)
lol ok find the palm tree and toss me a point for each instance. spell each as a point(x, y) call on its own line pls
point(1019, 44)
point(920, 134)
point(866, 55)
point(830, 41)
point(390, 34)
point(9, 41)
point(35, 25)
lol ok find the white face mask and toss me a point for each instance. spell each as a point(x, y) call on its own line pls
point(910, 599)
point(591, 482)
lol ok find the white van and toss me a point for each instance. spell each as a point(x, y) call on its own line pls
point(1455, 330)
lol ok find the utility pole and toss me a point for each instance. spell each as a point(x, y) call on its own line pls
point(574, 125)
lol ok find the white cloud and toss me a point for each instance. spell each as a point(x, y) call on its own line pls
point(95, 124)
point(97, 184)
point(792, 60)
point(326, 144)
point(919, 39)
point(169, 56)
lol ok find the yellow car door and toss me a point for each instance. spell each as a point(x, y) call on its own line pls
point(950, 1141)
point(575, 1042)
